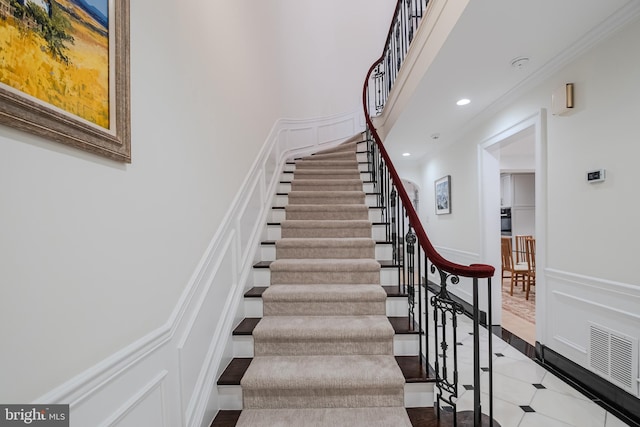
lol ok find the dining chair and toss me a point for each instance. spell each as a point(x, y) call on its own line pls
point(530, 252)
point(518, 272)
point(521, 247)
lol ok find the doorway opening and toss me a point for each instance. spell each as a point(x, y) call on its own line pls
point(512, 193)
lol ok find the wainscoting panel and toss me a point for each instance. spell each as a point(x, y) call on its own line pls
point(335, 131)
point(147, 407)
point(195, 341)
point(576, 303)
point(250, 212)
point(168, 377)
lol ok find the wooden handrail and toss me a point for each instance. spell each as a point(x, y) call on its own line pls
point(473, 270)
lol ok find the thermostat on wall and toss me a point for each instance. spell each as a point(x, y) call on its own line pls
point(595, 176)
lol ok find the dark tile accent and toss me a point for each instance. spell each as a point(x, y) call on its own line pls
point(499, 354)
point(401, 325)
point(235, 370)
point(247, 326)
point(268, 242)
point(485, 369)
point(527, 408)
point(468, 387)
point(539, 386)
point(459, 343)
point(226, 419)
point(255, 292)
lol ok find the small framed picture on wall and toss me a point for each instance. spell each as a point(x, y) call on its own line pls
point(443, 195)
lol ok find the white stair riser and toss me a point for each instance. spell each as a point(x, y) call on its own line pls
point(403, 345)
point(397, 307)
point(262, 276)
point(384, 252)
point(230, 397)
point(279, 215)
point(378, 232)
point(406, 345)
point(419, 395)
point(415, 395)
point(253, 307)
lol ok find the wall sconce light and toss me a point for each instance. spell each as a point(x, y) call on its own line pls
point(562, 100)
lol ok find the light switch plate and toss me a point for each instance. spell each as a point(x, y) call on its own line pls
point(597, 175)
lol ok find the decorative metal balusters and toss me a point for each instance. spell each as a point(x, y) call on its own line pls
point(406, 20)
point(432, 309)
point(412, 250)
point(445, 308)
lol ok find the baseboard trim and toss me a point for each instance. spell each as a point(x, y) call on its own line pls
point(615, 400)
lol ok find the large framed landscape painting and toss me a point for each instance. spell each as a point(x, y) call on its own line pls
point(64, 72)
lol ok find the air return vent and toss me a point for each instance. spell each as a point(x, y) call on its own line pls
point(614, 356)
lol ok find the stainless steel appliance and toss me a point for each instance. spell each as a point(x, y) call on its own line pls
point(505, 221)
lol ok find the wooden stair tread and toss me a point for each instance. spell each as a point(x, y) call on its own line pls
point(246, 326)
point(410, 366)
point(235, 371)
point(400, 325)
point(413, 371)
point(255, 292)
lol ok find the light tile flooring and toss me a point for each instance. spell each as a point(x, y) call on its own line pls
point(525, 394)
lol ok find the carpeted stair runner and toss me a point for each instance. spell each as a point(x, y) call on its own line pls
point(323, 351)
point(324, 300)
point(291, 248)
point(326, 212)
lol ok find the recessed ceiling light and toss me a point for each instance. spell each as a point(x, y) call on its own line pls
point(406, 154)
point(463, 101)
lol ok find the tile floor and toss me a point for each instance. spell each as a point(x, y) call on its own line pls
point(525, 394)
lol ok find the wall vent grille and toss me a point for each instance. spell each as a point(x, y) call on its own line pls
point(614, 356)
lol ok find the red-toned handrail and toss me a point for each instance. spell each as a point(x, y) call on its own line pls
point(473, 270)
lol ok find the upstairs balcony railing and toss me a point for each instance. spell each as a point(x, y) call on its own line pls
point(424, 275)
point(404, 25)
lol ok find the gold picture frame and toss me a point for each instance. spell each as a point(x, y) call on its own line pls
point(33, 115)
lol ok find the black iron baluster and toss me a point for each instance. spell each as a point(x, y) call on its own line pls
point(445, 305)
point(410, 263)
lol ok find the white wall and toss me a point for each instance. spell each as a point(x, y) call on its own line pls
point(590, 251)
point(94, 254)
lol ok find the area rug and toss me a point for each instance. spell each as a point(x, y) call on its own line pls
point(517, 304)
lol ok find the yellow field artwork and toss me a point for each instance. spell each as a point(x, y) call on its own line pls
point(70, 71)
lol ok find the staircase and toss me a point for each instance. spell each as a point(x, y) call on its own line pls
point(326, 339)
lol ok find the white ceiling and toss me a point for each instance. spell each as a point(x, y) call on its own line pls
point(475, 63)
